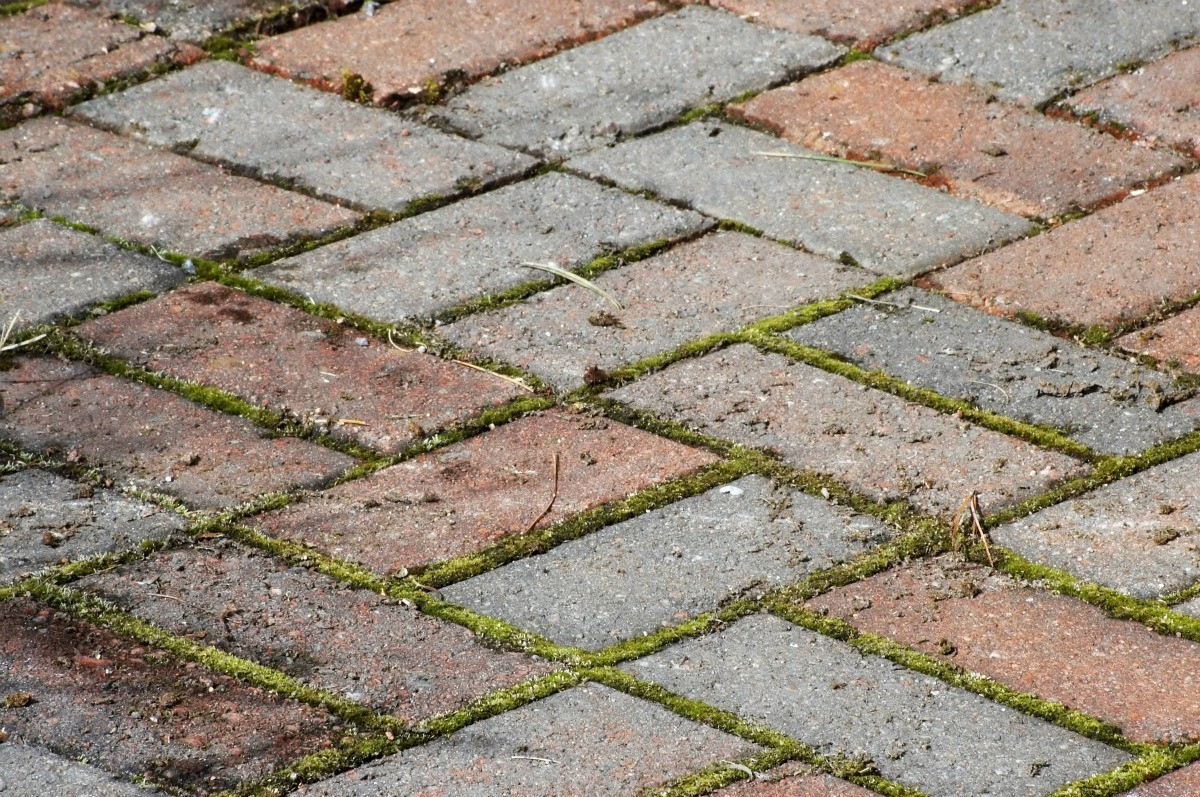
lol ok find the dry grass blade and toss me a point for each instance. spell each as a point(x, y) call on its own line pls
point(818, 156)
point(7, 333)
point(578, 280)
point(970, 508)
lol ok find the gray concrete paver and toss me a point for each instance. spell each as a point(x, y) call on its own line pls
point(886, 224)
point(914, 728)
point(662, 567)
point(27, 771)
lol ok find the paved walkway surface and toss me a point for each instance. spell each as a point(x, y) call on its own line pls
point(757, 398)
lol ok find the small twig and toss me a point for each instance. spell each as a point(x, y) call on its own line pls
point(892, 304)
point(970, 506)
point(396, 345)
point(818, 156)
point(553, 498)
point(168, 597)
point(992, 384)
point(518, 382)
point(535, 758)
point(11, 346)
point(351, 422)
point(578, 280)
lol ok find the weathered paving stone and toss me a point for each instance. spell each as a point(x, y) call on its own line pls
point(464, 497)
point(34, 772)
point(1111, 268)
point(354, 386)
point(406, 49)
point(51, 272)
point(283, 132)
point(134, 711)
point(991, 151)
point(142, 194)
point(188, 20)
point(352, 642)
point(46, 519)
point(589, 741)
point(662, 567)
point(1110, 404)
point(1176, 340)
point(914, 728)
point(153, 439)
point(792, 780)
point(1179, 782)
point(1032, 640)
point(1191, 607)
point(716, 284)
point(873, 441)
point(54, 51)
point(431, 262)
point(886, 224)
point(845, 21)
point(1139, 535)
point(1031, 50)
point(632, 81)
point(1160, 101)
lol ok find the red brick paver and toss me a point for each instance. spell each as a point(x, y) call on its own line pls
point(156, 439)
point(1160, 101)
point(51, 52)
point(467, 496)
point(1176, 340)
point(1007, 156)
point(1179, 783)
point(1112, 267)
point(87, 693)
point(353, 642)
point(314, 370)
point(153, 197)
point(1034, 641)
point(402, 48)
point(862, 25)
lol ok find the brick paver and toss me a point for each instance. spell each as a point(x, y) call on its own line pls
point(662, 567)
point(915, 729)
point(717, 284)
point(1137, 535)
point(54, 51)
point(792, 780)
point(280, 131)
point(466, 496)
point(1181, 781)
point(46, 519)
point(429, 263)
point(632, 81)
point(1159, 101)
point(135, 711)
point(192, 21)
point(886, 224)
point(153, 439)
point(585, 741)
point(875, 442)
point(352, 642)
point(1111, 268)
point(1031, 50)
point(991, 151)
point(845, 21)
point(1176, 340)
point(52, 272)
point(35, 772)
point(354, 386)
point(1102, 400)
point(1032, 640)
point(403, 48)
point(152, 197)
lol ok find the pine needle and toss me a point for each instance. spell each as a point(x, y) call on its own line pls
point(578, 280)
point(818, 156)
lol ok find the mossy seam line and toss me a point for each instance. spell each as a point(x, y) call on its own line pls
point(91, 608)
point(1150, 764)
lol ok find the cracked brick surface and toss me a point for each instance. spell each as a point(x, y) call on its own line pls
point(353, 642)
point(131, 710)
point(987, 150)
point(152, 439)
point(464, 497)
point(130, 190)
point(276, 130)
point(1032, 640)
point(590, 740)
point(403, 48)
point(356, 387)
point(874, 442)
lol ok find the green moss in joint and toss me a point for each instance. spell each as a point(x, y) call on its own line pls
point(501, 701)
point(1152, 763)
point(732, 225)
point(696, 626)
point(9, 9)
point(814, 311)
point(350, 752)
